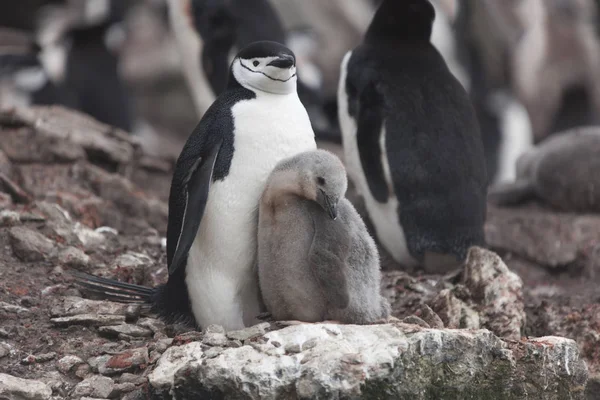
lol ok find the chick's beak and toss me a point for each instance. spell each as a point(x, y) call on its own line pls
point(331, 208)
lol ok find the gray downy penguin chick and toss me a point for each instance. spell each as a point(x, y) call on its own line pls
point(411, 141)
point(316, 260)
point(562, 171)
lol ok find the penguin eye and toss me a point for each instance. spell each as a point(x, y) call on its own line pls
point(255, 63)
point(321, 181)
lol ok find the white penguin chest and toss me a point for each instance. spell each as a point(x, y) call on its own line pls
point(266, 131)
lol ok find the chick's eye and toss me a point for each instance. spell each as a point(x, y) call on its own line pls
point(321, 181)
point(255, 63)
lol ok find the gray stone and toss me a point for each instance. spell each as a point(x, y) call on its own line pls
point(125, 329)
point(174, 359)
point(67, 363)
point(38, 358)
point(497, 291)
point(454, 312)
point(4, 350)
point(213, 352)
point(29, 245)
point(9, 218)
point(59, 222)
point(13, 388)
point(155, 325)
point(82, 371)
point(74, 258)
point(131, 378)
point(122, 388)
point(89, 320)
point(214, 339)
point(13, 309)
point(127, 360)
point(133, 312)
point(94, 386)
point(134, 263)
point(387, 361)
point(88, 237)
point(162, 344)
point(214, 329)
point(71, 305)
point(430, 317)
point(413, 319)
point(249, 333)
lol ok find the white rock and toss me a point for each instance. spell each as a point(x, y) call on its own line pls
point(88, 237)
point(13, 388)
point(94, 386)
point(67, 363)
point(171, 361)
point(389, 361)
point(9, 218)
point(73, 257)
point(497, 290)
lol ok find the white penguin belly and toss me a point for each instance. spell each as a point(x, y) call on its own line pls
point(384, 216)
point(220, 272)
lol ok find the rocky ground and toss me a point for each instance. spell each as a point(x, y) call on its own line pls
point(79, 195)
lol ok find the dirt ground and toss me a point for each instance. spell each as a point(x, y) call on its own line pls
point(47, 160)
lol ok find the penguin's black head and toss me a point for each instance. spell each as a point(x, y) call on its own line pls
point(265, 66)
point(402, 19)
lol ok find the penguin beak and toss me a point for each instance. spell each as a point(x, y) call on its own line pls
point(328, 204)
point(284, 61)
point(331, 208)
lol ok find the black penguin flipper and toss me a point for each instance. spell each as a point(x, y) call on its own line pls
point(369, 130)
point(196, 188)
point(328, 262)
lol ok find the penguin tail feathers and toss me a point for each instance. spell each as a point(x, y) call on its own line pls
point(507, 194)
point(113, 290)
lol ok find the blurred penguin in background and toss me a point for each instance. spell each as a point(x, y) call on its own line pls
point(484, 34)
point(556, 64)
point(209, 33)
point(532, 68)
point(81, 43)
point(72, 58)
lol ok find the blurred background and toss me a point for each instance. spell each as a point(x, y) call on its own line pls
point(152, 67)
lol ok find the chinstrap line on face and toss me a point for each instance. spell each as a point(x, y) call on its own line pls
point(270, 77)
point(265, 67)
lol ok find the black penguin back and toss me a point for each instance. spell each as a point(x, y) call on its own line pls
point(399, 81)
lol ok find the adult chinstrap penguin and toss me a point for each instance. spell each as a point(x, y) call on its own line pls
point(217, 183)
point(411, 140)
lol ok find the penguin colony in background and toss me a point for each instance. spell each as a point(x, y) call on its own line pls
point(68, 60)
point(224, 26)
point(562, 171)
point(411, 140)
point(412, 147)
